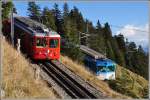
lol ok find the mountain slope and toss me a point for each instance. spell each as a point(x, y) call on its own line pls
point(18, 79)
point(129, 83)
point(126, 85)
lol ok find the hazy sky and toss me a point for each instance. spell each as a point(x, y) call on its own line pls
point(129, 15)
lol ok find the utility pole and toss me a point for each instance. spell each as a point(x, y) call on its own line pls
point(12, 27)
point(80, 37)
point(85, 35)
point(87, 31)
point(1, 46)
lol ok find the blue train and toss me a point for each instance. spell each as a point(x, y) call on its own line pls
point(103, 68)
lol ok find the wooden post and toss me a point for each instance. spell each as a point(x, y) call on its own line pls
point(3, 37)
point(37, 74)
point(12, 27)
point(18, 45)
point(2, 93)
point(86, 39)
point(79, 40)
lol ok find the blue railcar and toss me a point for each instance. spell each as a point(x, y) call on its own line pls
point(103, 68)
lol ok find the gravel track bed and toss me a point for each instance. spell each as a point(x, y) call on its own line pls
point(81, 81)
point(58, 89)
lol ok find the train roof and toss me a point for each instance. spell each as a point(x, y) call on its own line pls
point(101, 61)
point(91, 52)
point(104, 62)
point(50, 34)
point(33, 27)
point(26, 21)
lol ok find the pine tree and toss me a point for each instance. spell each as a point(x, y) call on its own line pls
point(98, 27)
point(34, 11)
point(66, 11)
point(107, 33)
point(48, 18)
point(140, 50)
point(121, 43)
point(77, 16)
point(71, 31)
point(142, 62)
point(73, 39)
point(132, 57)
point(119, 56)
point(66, 21)
point(121, 49)
point(97, 40)
point(109, 51)
point(72, 36)
point(58, 19)
point(7, 6)
point(132, 46)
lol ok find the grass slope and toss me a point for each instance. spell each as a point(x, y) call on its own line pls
point(18, 77)
point(123, 83)
point(129, 83)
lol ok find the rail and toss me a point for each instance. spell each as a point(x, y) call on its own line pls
point(71, 86)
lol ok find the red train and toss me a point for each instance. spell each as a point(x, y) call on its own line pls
point(37, 41)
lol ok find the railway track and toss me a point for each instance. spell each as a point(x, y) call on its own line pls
point(70, 85)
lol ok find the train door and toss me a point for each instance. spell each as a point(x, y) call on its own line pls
point(32, 45)
point(54, 48)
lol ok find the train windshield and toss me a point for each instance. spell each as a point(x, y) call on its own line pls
point(111, 68)
point(41, 42)
point(106, 68)
point(53, 43)
point(102, 68)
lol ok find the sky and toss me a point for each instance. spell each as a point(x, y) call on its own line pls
point(129, 16)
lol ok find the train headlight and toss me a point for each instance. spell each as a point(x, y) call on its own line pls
point(47, 51)
point(112, 76)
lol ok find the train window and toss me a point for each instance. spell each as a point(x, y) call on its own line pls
point(111, 68)
point(41, 42)
point(102, 68)
point(53, 43)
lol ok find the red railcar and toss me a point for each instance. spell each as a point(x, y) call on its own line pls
point(37, 41)
point(40, 46)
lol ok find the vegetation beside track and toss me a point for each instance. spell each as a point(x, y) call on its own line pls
point(18, 79)
point(129, 83)
point(126, 85)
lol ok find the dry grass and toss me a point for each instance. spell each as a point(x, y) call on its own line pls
point(81, 71)
point(139, 78)
point(130, 83)
point(18, 78)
